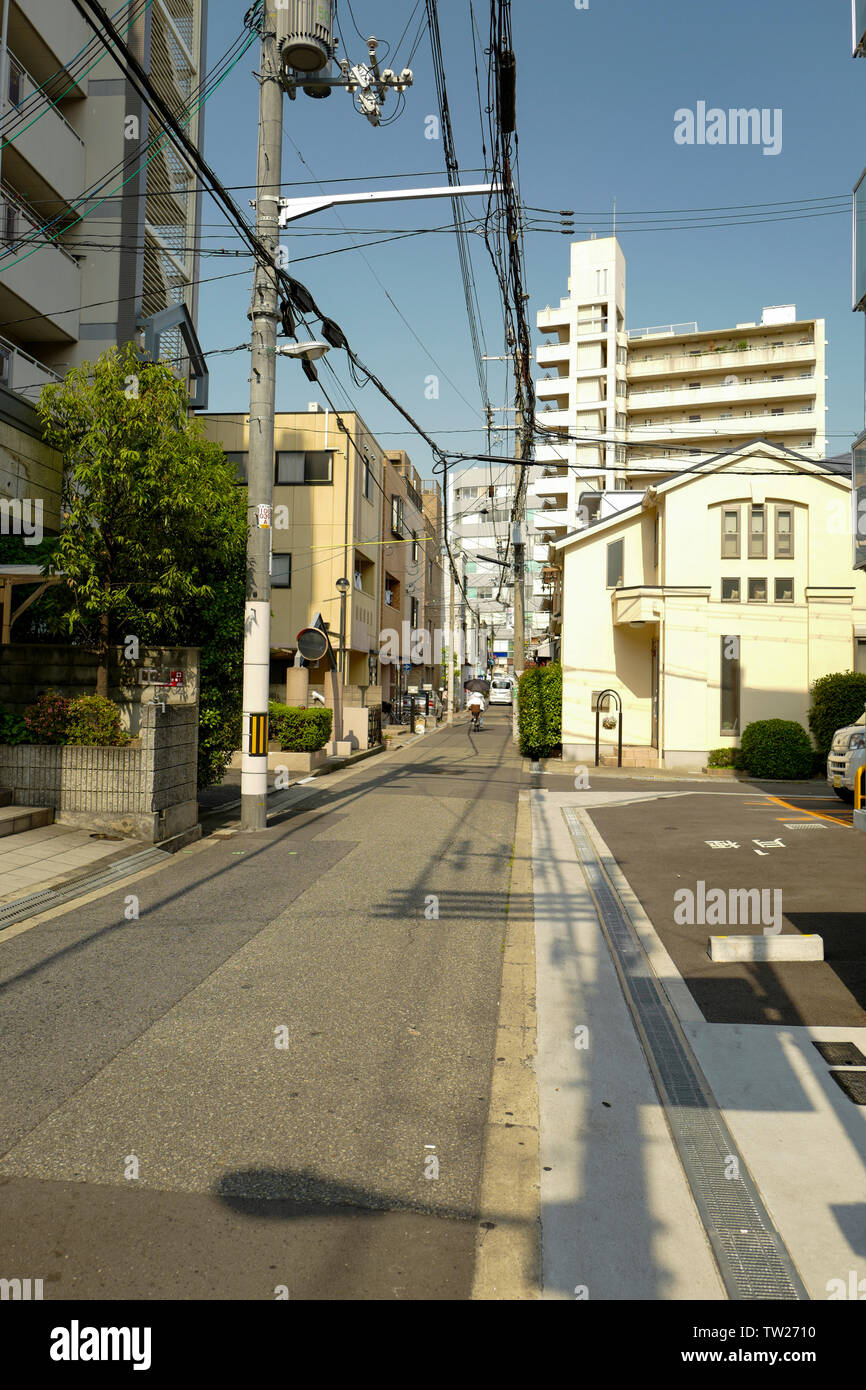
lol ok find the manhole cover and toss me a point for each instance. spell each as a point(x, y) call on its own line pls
point(841, 1054)
point(853, 1083)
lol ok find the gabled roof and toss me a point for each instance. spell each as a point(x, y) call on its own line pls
point(752, 448)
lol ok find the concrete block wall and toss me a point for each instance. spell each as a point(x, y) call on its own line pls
point(148, 792)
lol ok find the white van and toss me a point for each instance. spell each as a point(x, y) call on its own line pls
point(847, 755)
point(501, 690)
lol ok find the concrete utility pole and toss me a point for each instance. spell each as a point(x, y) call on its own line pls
point(264, 313)
point(519, 543)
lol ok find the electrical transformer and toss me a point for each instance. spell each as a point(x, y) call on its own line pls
point(305, 30)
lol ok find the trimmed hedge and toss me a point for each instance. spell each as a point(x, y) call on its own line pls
point(539, 710)
point(777, 748)
point(723, 757)
point(13, 730)
point(300, 730)
point(837, 700)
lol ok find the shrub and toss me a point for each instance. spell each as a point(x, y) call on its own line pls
point(777, 748)
point(95, 721)
point(12, 728)
point(722, 757)
point(837, 700)
point(539, 710)
point(300, 730)
point(46, 720)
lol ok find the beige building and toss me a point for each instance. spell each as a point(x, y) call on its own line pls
point(715, 599)
point(408, 546)
point(629, 407)
point(328, 480)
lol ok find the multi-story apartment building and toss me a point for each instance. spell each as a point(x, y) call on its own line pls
point(327, 521)
point(479, 528)
point(98, 227)
point(627, 408)
point(407, 548)
point(434, 576)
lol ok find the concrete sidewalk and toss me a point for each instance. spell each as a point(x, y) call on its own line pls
point(54, 855)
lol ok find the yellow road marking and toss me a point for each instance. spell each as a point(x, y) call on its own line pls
point(818, 815)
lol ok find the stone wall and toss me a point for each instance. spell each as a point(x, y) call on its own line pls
point(27, 669)
point(148, 792)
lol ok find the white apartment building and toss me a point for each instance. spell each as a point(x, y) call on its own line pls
point(628, 408)
point(479, 528)
point(97, 232)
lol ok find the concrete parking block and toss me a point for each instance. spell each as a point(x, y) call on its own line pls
point(764, 948)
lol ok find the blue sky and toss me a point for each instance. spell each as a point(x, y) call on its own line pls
point(597, 92)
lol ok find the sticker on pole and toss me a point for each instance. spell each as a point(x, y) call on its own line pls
point(263, 516)
point(258, 736)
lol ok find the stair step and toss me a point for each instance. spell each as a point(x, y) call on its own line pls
point(14, 820)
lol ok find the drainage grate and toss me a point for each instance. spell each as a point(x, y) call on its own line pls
point(841, 1054)
point(48, 898)
point(853, 1083)
point(806, 825)
point(751, 1256)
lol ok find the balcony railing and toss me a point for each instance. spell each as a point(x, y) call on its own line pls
point(18, 216)
point(20, 372)
point(20, 86)
point(671, 329)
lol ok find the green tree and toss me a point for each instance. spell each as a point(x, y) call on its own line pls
point(150, 509)
point(153, 540)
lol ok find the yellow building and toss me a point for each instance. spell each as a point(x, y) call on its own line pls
point(715, 600)
point(328, 473)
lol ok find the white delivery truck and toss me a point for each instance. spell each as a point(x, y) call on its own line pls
point(847, 755)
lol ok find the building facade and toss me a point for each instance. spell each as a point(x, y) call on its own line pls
point(327, 517)
point(408, 656)
point(715, 600)
point(624, 408)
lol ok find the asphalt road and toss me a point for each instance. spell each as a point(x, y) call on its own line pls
point(794, 844)
point(246, 1088)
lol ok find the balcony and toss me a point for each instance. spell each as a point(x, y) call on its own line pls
point(714, 395)
point(644, 604)
point(680, 363)
point(558, 388)
point(761, 423)
point(551, 320)
point(21, 373)
point(46, 160)
point(553, 354)
point(47, 36)
point(36, 280)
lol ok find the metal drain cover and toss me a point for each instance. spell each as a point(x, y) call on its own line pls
point(853, 1083)
point(841, 1054)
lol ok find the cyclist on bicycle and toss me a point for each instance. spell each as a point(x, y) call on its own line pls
point(476, 708)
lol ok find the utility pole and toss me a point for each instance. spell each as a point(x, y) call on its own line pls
point(519, 543)
point(265, 317)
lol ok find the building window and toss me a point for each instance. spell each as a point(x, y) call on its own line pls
point(784, 591)
point(757, 591)
point(295, 468)
point(694, 419)
point(778, 411)
point(730, 591)
point(757, 533)
point(240, 463)
point(368, 480)
point(413, 615)
point(731, 535)
point(397, 516)
point(656, 542)
point(15, 88)
point(784, 533)
point(730, 685)
point(415, 551)
point(615, 560)
point(429, 571)
point(281, 571)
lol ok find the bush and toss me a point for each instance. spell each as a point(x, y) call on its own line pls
point(837, 700)
point(539, 710)
point(300, 730)
point(46, 720)
point(777, 748)
point(13, 730)
point(722, 757)
point(95, 721)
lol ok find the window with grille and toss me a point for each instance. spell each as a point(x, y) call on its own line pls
point(784, 533)
point(757, 533)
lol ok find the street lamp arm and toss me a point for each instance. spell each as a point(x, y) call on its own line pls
point(293, 208)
